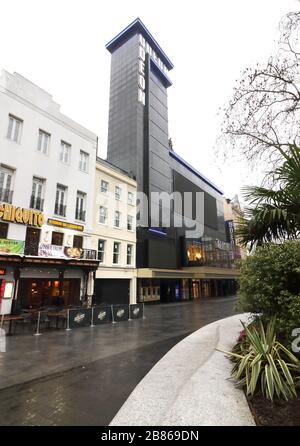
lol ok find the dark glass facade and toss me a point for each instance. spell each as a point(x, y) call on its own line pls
point(138, 142)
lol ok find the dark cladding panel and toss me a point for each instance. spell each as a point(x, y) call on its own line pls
point(123, 111)
point(160, 174)
point(182, 184)
point(162, 253)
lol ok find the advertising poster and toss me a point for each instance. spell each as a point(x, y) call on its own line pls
point(11, 246)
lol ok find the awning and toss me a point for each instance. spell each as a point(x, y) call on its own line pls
point(28, 261)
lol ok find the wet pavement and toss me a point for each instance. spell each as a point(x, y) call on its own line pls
point(82, 377)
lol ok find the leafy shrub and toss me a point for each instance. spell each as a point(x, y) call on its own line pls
point(270, 285)
point(261, 362)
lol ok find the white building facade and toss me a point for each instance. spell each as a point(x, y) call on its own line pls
point(114, 235)
point(47, 177)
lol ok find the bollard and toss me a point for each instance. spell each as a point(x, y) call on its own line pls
point(129, 318)
point(144, 311)
point(92, 324)
point(112, 315)
point(68, 323)
point(38, 325)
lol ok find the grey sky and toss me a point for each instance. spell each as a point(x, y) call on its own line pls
point(60, 45)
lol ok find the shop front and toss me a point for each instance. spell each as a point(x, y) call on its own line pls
point(37, 293)
point(33, 282)
point(157, 285)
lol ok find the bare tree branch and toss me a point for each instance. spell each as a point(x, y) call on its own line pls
point(263, 114)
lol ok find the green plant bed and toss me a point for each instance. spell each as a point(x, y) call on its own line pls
point(263, 364)
point(270, 285)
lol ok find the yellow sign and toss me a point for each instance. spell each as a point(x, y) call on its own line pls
point(63, 224)
point(14, 214)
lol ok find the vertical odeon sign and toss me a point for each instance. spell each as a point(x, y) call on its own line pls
point(145, 48)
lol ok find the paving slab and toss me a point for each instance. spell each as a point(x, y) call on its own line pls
point(83, 377)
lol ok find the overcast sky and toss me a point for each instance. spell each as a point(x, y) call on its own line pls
point(60, 46)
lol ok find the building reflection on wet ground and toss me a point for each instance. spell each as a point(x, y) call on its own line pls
point(84, 376)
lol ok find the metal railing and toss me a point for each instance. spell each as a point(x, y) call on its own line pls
point(6, 195)
point(36, 203)
point(60, 209)
point(80, 215)
point(89, 254)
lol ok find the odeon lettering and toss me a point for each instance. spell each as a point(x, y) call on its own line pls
point(14, 214)
point(145, 48)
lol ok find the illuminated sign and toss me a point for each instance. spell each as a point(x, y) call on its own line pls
point(65, 225)
point(14, 214)
point(145, 48)
point(230, 233)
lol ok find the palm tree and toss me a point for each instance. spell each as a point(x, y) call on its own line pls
point(274, 214)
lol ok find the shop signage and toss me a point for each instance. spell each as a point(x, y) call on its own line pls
point(136, 311)
point(64, 224)
point(14, 214)
point(62, 252)
point(11, 246)
point(101, 315)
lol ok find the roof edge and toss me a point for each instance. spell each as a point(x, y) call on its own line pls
point(137, 25)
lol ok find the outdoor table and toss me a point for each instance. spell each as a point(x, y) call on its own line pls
point(10, 318)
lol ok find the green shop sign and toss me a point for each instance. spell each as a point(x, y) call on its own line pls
point(11, 246)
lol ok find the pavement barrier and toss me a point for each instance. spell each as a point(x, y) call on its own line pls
point(101, 315)
point(136, 311)
point(90, 317)
point(120, 312)
point(79, 317)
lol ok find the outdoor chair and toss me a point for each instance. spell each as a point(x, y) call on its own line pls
point(25, 322)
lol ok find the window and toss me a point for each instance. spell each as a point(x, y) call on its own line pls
point(65, 152)
point(6, 176)
point(37, 193)
point(118, 193)
point(129, 254)
point(130, 222)
point(32, 241)
point(83, 161)
point(3, 230)
point(60, 201)
point(117, 219)
point(130, 198)
point(43, 142)
point(80, 206)
point(57, 238)
point(116, 253)
point(103, 215)
point(104, 187)
point(78, 241)
point(14, 128)
point(101, 251)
